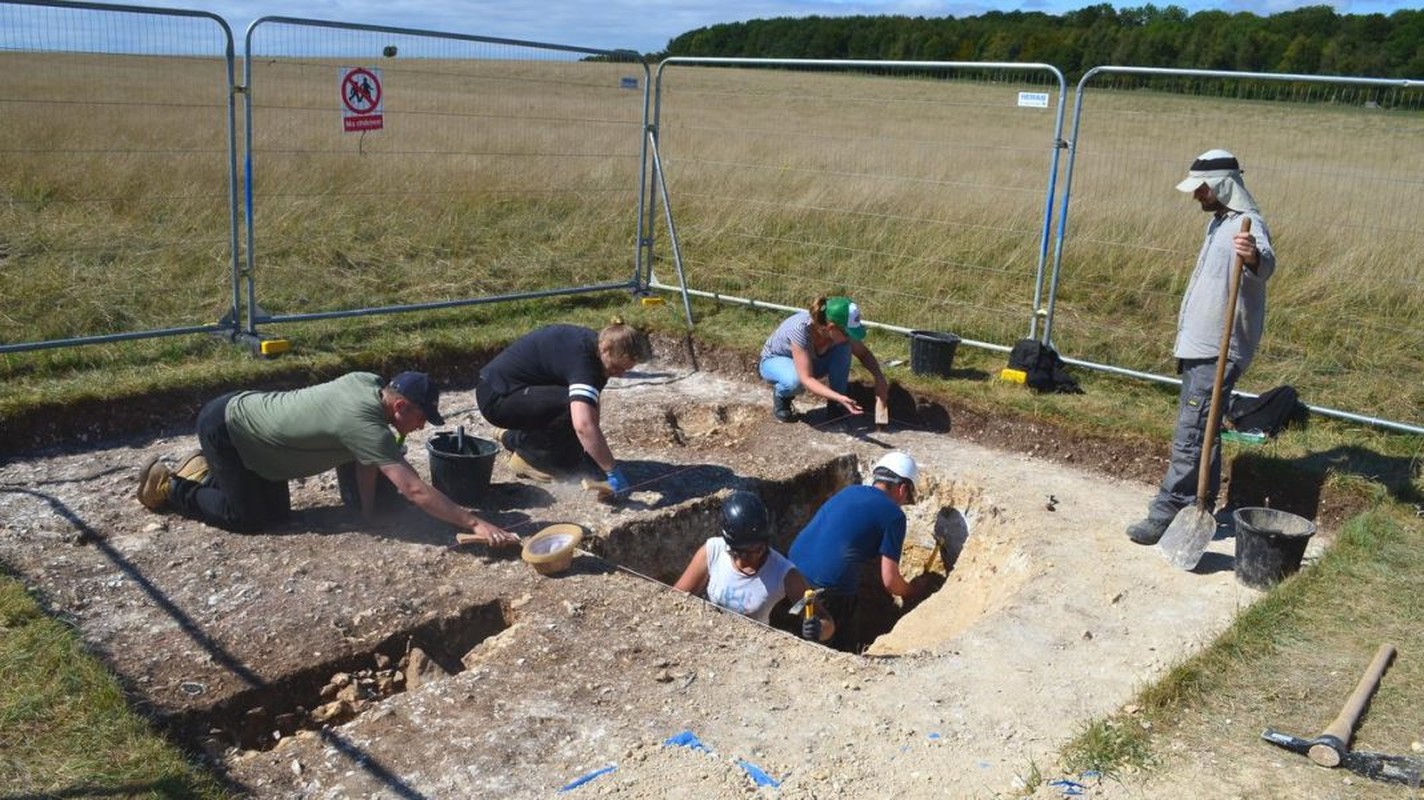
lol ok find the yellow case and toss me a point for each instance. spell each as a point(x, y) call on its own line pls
point(1013, 375)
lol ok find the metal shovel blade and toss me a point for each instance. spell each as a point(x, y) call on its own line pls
point(951, 531)
point(1187, 537)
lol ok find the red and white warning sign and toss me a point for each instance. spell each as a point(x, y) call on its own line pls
point(361, 99)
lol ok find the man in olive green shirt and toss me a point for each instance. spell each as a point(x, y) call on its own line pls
point(254, 442)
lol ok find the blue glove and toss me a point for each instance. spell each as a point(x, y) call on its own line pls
point(811, 629)
point(618, 482)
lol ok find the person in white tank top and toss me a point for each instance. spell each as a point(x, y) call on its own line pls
point(739, 571)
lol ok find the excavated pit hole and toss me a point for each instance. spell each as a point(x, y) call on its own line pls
point(337, 690)
point(660, 549)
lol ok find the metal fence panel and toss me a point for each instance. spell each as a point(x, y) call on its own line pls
point(117, 186)
point(495, 164)
point(1338, 169)
point(922, 189)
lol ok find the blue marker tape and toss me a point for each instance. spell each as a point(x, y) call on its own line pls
point(686, 739)
point(759, 777)
point(581, 780)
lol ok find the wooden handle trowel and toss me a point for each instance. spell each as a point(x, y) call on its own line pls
point(601, 488)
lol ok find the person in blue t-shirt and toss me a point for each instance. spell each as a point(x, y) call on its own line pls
point(859, 525)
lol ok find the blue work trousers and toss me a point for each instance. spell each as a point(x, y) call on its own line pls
point(833, 366)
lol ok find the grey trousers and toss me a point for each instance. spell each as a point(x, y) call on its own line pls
point(1179, 487)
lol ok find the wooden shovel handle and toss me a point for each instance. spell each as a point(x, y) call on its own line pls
point(1344, 725)
point(1212, 420)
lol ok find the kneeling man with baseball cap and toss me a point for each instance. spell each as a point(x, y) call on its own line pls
point(254, 442)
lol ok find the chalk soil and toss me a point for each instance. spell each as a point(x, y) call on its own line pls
point(1049, 618)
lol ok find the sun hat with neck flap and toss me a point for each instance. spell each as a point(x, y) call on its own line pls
point(1221, 172)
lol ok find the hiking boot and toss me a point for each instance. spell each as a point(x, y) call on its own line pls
point(1148, 531)
point(523, 469)
point(783, 407)
point(193, 468)
point(154, 481)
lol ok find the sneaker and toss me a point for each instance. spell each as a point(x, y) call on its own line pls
point(193, 468)
point(783, 407)
point(154, 481)
point(1148, 531)
point(523, 469)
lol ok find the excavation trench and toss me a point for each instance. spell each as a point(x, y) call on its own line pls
point(658, 548)
point(337, 690)
point(1047, 618)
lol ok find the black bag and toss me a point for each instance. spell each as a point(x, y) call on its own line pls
point(1272, 412)
point(1043, 367)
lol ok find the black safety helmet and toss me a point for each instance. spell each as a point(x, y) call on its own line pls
point(744, 520)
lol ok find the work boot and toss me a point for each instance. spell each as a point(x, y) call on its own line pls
point(783, 407)
point(499, 437)
point(523, 469)
point(154, 481)
point(1148, 531)
point(194, 467)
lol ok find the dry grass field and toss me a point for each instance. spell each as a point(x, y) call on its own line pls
point(924, 197)
point(921, 194)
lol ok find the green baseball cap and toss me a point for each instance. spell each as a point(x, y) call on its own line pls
point(846, 315)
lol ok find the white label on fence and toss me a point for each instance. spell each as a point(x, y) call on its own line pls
point(1033, 99)
point(362, 100)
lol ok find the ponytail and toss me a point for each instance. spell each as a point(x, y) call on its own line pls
point(818, 310)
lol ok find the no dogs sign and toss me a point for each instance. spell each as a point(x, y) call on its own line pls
point(361, 99)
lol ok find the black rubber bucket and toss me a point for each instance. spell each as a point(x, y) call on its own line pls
point(1269, 545)
point(932, 352)
point(460, 465)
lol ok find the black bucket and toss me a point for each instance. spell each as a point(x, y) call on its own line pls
point(1269, 545)
point(932, 352)
point(460, 465)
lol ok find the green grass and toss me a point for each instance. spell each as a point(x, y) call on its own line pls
point(65, 727)
point(1294, 656)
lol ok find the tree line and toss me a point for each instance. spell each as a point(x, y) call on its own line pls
point(1309, 41)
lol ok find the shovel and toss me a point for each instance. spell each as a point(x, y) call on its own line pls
point(1191, 530)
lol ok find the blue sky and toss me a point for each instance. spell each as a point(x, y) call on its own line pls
point(647, 25)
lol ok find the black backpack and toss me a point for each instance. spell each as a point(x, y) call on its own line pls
point(1043, 367)
point(1272, 412)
